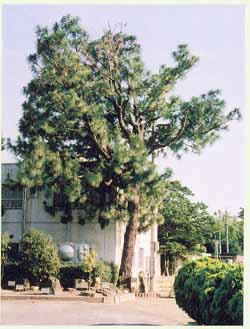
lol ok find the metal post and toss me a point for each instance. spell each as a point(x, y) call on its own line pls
point(216, 249)
point(219, 243)
point(227, 240)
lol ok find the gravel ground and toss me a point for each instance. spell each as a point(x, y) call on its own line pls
point(151, 311)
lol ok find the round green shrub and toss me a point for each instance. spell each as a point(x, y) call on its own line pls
point(202, 289)
point(227, 305)
point(39, 256)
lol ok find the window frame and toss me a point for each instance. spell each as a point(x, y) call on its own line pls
point(8, 198)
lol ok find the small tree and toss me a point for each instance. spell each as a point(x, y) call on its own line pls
point(39, 255)
point(5, 247)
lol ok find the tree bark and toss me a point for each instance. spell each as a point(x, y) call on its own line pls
point(129, 242)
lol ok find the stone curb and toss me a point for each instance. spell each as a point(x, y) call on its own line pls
point(52, 298)
point(106, 300)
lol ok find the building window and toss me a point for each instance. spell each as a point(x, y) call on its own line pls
point(12, 197)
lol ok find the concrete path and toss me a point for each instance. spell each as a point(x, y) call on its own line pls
point(151, 311)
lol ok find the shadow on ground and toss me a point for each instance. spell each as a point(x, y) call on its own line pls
point(124, 324)
point(136, 324)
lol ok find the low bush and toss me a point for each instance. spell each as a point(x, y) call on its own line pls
point(69, 272)
point(13, 272)
point(88, 270)
point(39, 255)
point(210, 291)
point(5, 247)
point(114, 273)
point(103, 271)
point(106, 271)
point(227, 305)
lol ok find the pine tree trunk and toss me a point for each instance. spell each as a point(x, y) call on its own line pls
point(129, 242)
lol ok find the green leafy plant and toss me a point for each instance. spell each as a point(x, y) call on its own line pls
point(5, 248)
point(13, 272)
point(89, 262)
point(69, 272)
point(89, 269)
point(227, 305)
point(114, 273)
point(103, 271)
point(39, 255)
point(207, 289)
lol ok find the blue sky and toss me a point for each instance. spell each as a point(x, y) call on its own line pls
point(213, 32)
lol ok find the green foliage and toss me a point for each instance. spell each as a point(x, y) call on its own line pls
point(5, 247)
point(89, 262)
point(103, 271)
point(182, 215)
point(227, 305)
point(235, 232)
point(206, 289)
point(39, 255)
point(69, 272)
point(106, 271)
point(3, 143)
point(199, 248)
point(241, 213)
point(99, 115)
point(13, 271)
point(114, 273)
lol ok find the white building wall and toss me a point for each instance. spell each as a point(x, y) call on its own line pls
point(101, 240)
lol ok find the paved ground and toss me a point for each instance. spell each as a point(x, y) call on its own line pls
point(151, 311)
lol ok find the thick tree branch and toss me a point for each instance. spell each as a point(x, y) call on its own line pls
point(103, 151)
point(120, 117)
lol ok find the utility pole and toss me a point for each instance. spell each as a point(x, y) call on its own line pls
point(227, 240)
point(219, 243)
point(216, 249)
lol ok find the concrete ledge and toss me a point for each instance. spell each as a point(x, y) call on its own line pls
point(108, 300)
point(53, 298)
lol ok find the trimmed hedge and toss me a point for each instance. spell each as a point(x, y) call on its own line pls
point(227, 305)
point(69, 272)
point(211, 292)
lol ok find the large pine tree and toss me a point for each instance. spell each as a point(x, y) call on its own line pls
point(94, 117)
